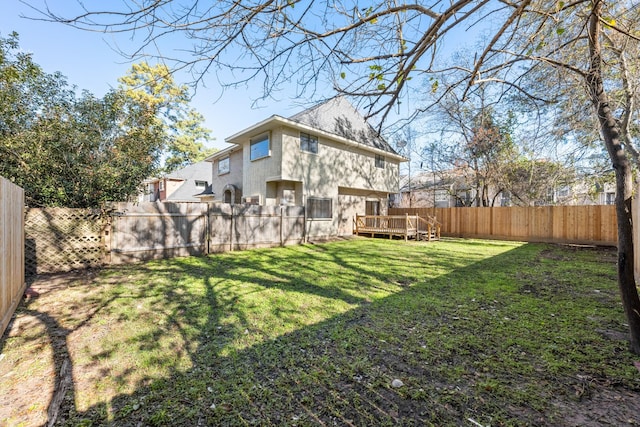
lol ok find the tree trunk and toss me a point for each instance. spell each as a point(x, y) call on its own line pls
point(624, 184)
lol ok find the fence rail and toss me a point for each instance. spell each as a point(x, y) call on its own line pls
point(593, 224)
point(12, 282)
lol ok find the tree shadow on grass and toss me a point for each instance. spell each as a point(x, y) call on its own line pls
point(443, 335)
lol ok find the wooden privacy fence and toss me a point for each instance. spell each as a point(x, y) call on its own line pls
point(593, 224)
point(65, 239)
point(61, 239)
point(155, 230)
point(12, 282)
point(238, 227)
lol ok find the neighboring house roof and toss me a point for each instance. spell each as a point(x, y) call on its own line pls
point(200, 171)
point(336, 119)
point(208, 191)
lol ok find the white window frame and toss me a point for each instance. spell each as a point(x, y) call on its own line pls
point(610, 198)
point(201, 184)
point(258, 140)
point(224, 169)
point(441, 196)
point(563, 191)
point(252, 200)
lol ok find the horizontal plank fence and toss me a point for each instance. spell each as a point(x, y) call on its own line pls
point(593, 224)
point(239, 227)
point(64, 239)
point(155, 230)
point(12, 283)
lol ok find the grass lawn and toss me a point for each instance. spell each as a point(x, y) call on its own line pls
point(477, 333)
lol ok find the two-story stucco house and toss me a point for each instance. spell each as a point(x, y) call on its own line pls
point(326, 158)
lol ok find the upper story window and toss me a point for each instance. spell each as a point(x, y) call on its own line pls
point(259, 147)
point(161, 185)
point(379, 161)
point(308, 143)
point(201, 184)
point(223, 166)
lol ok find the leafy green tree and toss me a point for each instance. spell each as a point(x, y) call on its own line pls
point(531, 182)
point(70, 151)
point(155, 87)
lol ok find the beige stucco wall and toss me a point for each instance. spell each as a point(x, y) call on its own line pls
point(336, 164)
point(234, 177)
point(347, 175)
point(258, 173)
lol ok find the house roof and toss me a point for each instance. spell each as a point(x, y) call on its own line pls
point(208, 191)
point(222, 153)
point(337, 116)
point(200, 171)
point(336, 119)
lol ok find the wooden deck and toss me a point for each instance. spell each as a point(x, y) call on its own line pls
point(403, 226)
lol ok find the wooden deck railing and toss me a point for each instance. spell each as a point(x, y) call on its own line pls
point(429, 227)
point(406, 226)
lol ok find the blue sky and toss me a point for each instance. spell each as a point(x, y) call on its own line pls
point(88, 61)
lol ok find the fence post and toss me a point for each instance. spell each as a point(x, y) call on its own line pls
point(208, 229)
point(304, 228)
point(281, 225)
point(406, 226)
point(106, 234)
point(232, 222)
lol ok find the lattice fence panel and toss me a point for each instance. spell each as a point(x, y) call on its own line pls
point(62, 239)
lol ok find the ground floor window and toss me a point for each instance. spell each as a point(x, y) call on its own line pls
point(441, 196)
point(319, 208)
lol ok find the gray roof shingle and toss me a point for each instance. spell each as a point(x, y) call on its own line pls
point(339, 117)
point(200, 171)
